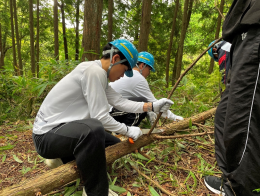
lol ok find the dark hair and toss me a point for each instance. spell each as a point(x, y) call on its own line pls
point(107, 56)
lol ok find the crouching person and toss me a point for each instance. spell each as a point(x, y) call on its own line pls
point(71, 122)
point(137, 88)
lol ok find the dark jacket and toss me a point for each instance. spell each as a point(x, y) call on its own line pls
point(241, 15)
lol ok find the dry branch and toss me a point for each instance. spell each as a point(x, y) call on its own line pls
point(181, 136)
point(55, 178)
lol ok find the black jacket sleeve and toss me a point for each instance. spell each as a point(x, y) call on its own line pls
point(241, 15)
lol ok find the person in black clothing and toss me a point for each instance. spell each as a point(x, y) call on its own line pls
point(220, 52)
point(237, 137)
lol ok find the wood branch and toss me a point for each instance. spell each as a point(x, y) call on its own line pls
point(180, 78)
point(181, 136)
point(57, 177)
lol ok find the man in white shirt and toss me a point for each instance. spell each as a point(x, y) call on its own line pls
point(137, 88)
point(72, 119)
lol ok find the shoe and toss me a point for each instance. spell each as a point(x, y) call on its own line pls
point(110, 192)
point(53, 163)
point(84, 192)
point(214, 184)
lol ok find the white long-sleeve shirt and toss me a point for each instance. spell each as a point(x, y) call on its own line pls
point(136, 86)
point(83, 93)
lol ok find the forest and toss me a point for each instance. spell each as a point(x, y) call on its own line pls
point(42, 41)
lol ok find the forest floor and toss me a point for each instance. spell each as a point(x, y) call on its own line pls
point(183, 164)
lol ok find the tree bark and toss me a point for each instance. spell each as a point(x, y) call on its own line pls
point(137, 18)
point(32, 37)
point(1, 51)
point(55, 178)
point(182, 38)
point(64, 30)
point(110, 20)
point(145, 25)
point(171, 40)
point(38, 39)
point(77, 31)
point(13, 40)
point(56, 29)
point(92, 29)
point(20, 72)
point(175, 67)
point(211, 67)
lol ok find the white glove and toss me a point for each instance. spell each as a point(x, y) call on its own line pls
point(134, 132)
point(162, 105)
point(151, 117)
point(174, 117)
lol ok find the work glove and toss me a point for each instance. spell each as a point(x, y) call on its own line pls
point(162, 105)
point(174, 117)
point(151, 117)
point(133, 132)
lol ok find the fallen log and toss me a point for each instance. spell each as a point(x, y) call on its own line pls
point(57, 177)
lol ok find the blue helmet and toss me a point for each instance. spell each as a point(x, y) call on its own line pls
point(211, 52)
point(147, 58)
point(129, 51)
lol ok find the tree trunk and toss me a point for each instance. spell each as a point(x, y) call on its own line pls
point(92, 29)
point(175, 67)
point(189, 14)
point(64, 30)
point(38, 39)
point(32, 37)
point(182, 38)
point(1, 51)
point(20, 71)
point(137, 18)
point(56, 29)
point(145, 25)
point(171, 40)
point(110, 20)
point(13, 40)
point(55, 178)
point(211, 67)
point(77, 31)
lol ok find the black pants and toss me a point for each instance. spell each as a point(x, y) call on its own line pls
point(130, 119)
point(237, 120)
point(85, 141)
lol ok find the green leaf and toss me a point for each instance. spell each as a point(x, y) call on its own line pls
point(128, 194)
point(153, 192)
point(17, 159)
point(7, 147)
point(117, 189)
point(69, 190)
point(3, 159)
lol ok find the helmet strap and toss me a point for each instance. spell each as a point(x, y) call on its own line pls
point(141, 70)
point(112, 50)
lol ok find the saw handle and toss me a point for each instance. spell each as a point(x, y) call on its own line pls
point(131, 141)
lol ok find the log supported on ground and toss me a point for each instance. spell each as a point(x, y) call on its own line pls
point(55, 178)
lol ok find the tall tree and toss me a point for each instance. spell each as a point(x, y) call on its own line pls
point(62, 7)
point(1, 50)
point(13, 40)
point(145, 25)
point(56, 29)
point(110, 20)
point(92, 29)
point(77, 31)
point(38, 39)
point(171, 40)
point(32, 37)
point(182, 38)
point(217, 33)
point(20, 72)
